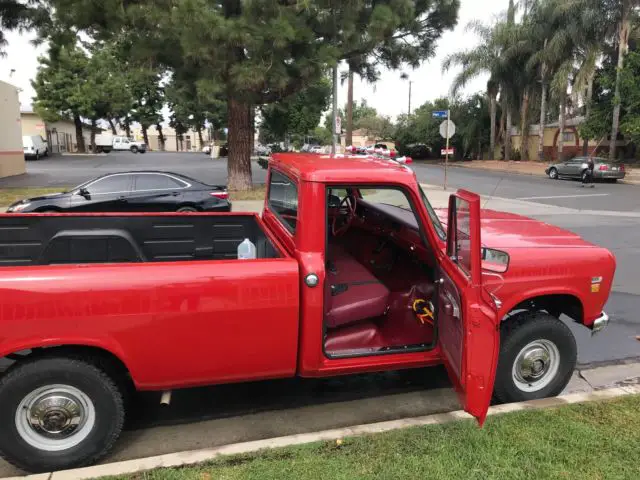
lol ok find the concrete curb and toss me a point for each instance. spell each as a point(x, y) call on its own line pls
point(199, 456)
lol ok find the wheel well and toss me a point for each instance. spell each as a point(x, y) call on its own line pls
point(555, 305)
point(103, 359)
point(45, 209)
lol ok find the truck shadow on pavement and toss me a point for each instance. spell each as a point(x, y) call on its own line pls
point(223, 401)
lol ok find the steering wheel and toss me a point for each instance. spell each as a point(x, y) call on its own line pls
point(345, 217)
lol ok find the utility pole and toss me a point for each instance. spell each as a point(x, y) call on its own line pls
point(446, 153)
point(334, 145)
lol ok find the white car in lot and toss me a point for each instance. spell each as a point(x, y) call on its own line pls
point(34, 147)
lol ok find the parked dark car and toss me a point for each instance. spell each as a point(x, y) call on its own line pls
point(132, 192)
point(577, 168)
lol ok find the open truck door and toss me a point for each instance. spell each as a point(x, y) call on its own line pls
point(468, 327)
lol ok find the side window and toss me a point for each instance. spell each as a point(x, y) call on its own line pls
point(283, 200)
point(114, 184)
point(157, 182)
point(463, 236)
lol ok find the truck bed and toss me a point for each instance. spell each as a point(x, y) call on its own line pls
point(118, 238)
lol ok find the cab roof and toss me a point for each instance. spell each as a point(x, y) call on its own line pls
point(312, 167)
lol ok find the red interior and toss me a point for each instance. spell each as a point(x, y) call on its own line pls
point(373, 279)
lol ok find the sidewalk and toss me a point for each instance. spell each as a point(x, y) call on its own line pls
point(530, 168)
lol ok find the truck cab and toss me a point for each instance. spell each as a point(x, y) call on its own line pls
point(354, 272)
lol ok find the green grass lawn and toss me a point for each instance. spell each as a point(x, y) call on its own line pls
point(10, 195)
point(599, 440)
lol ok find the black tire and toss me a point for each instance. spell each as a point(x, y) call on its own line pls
point(187, 209)
point(134, 149)
point(519, 332)
point(48, 210)
point(584, 176)
point(106, 150)
point(142, 151)
point(37, 155)
point(96, 385)
point(553, 173)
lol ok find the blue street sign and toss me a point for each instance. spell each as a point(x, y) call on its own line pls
point(439, 114)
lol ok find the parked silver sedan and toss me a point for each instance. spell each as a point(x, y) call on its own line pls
point(577, 168)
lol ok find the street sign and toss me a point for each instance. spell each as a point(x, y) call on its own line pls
point(449, 151)
point(439, 114)
point(447, 132)
point(338, 124)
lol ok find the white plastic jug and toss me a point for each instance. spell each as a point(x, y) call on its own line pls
point(247, 250)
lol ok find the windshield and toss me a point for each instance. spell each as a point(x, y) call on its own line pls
point(432, 214)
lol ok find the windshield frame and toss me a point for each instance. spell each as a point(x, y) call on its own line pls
point(437, 224)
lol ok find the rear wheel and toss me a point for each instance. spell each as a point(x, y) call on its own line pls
point(134, 149)
point(537, 358)
point(553, 173)
point(58, 413)
point(187, 209)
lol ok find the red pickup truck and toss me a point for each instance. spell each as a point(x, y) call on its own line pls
point(355, 272)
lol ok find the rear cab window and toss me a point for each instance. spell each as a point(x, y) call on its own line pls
point(283, 200)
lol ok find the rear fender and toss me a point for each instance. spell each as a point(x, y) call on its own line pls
point(107, 344)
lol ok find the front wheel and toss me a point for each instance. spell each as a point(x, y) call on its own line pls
point(553, 174)
point(187, 210)
point(538, 355)
point(58, 413)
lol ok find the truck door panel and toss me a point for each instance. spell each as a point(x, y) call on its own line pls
point(468, 332)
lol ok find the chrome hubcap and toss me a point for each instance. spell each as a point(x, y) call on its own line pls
point(55, 417)
point(536, 365)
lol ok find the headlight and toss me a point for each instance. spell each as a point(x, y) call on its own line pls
point(18, 208)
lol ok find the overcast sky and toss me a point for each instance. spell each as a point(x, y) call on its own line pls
point(389, 95)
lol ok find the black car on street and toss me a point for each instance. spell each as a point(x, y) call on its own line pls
point(132, 192)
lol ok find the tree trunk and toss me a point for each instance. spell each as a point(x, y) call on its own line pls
point(587, 113)
point(200, 139)
point(524, 126)
point(94, 126)
point(145, 135)
point(113, 127)
point(177, 148)
point(507, 135)
point(503, 121)
point(127, 128)
point(160, 137)
point(79, 134)
point(561, 121)
point(349, 136)
point(543, 119)
point(623, 36)
point(493, 113)
point(239, 163)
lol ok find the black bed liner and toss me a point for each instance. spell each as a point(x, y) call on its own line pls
point(46, 240)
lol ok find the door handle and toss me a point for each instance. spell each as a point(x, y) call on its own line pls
point(122, 199)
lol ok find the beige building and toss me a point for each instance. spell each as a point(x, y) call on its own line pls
point(190, 140)
point(11, 153)
point(60, 135)
point(571, 142)
point(360, 138)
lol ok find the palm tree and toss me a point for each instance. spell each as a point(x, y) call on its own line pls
point(626, 9)
point(485, 58)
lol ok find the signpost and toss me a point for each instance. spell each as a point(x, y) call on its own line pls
point(447, 130)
